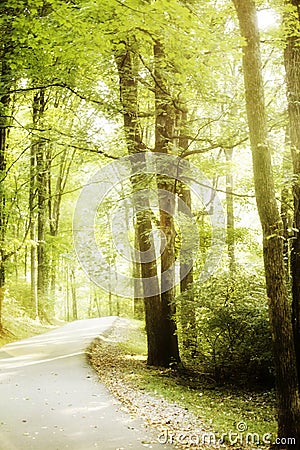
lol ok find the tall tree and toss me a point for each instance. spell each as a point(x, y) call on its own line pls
point(126, 61)
point(38, 107)
point(4, 126)
point(279, 308)
point(55, 194)
point(6, 83)
point(32, 232)
point(165, 117)
point(292, 67)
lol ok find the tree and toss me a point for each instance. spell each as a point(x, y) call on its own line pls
point(165, 116)
point(292, 67)
point(129, 101)
point(279, 309)
point(39, 105)
point(6, 83)
point(4, 124)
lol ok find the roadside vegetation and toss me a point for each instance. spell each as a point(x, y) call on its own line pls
point(18, 323)
point(184, 401)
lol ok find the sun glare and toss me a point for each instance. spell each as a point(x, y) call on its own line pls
point(267, 18)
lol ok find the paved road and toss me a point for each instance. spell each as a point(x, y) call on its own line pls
point(50, 398)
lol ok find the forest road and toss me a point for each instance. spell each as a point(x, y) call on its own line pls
point(50, 398)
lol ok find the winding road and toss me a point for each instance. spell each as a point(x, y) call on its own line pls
point(51, 398)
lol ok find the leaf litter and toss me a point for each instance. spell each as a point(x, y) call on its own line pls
point(173, 423)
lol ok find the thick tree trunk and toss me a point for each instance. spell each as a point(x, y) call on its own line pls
point(292, 67)
point(153, 311)
point(170, 340)
point(279, 309)
point(164, 130)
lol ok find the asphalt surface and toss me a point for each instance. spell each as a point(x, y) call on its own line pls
point(50, 398)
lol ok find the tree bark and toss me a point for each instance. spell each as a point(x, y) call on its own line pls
point(164, 130)
point(4, 129)
point(32, 234)
point(279, 308)
point(129, 100)
point(39, 105)
point(54, 206)
point(138, 304)
point(292, 67)
point(286, 209)
point(3, 135)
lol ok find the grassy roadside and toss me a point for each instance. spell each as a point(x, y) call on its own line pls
point(221, 409)
point(16, 328)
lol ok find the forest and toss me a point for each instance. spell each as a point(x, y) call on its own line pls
point(149, 165)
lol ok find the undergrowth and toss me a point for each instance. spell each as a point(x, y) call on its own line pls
point(17, 324)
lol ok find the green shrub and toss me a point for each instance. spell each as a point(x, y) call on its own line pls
point(19, 298)
point(233, 337)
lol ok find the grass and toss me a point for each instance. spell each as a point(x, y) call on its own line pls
point(21, 328)
point(224, 409)
point(17, 324)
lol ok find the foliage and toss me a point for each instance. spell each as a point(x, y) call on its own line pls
point(234, 338)
point(18, 322)
point(70, 51)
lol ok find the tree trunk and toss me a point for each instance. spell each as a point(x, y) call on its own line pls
point(279, 309)
point(39, 105)
point(54, 204)
point(2, 214)
point(286, 209)
point(138, 304)
point(32, 234)
point(230, 211)
point(153, 311)
point(4, 127)
point(164, 130)
point(292, 67)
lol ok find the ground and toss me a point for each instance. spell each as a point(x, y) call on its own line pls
point(173, 423)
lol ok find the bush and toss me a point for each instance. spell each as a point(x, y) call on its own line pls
point(19, 298)
point(232, 329)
